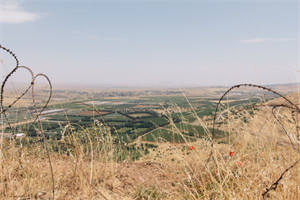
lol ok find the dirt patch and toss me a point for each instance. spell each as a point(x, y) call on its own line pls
point(139, 115)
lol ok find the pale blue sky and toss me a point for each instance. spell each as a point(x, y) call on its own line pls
point(136, 43)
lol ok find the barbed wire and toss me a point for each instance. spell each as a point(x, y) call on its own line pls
point(18, 98)
point(294, 109)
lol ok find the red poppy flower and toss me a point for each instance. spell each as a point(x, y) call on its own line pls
point(239, 163)
point(191, 147)
point(231, 153)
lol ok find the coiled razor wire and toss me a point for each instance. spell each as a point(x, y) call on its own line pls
point(18, 98)
point(293, 108)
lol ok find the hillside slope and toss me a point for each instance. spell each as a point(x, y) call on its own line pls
point(241, 166)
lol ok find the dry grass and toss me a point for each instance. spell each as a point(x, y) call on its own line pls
point(261, 152)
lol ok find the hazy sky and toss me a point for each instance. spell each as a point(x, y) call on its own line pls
point(153, 42)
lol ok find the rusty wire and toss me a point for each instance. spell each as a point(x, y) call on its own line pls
point(37, 113)
point(293, 107)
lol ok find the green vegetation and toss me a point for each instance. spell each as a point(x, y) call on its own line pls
point(149, 119)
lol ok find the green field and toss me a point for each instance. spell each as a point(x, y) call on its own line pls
point(131, 118)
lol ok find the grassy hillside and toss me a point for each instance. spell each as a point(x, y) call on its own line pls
point(170, 162)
